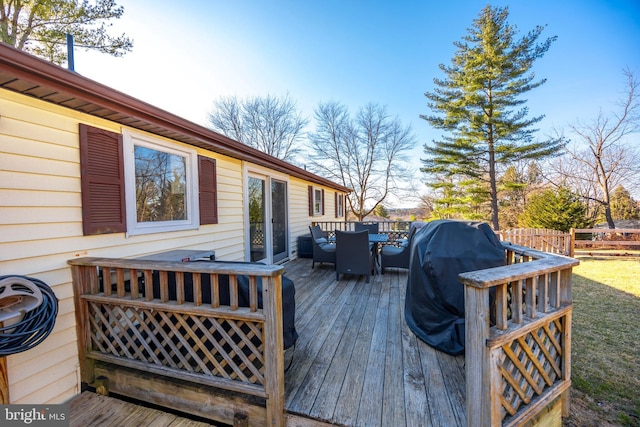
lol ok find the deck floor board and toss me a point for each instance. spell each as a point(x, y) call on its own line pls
point(347, 404)
point(327, 398)
point(91, 409)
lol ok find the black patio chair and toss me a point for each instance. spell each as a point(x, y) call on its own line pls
point(371, 228)
point(353, 254)
point(323, 251)
point(393, 256)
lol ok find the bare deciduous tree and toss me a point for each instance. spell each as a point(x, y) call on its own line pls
point(605, 154)
point(269, 124)
point(367, 153)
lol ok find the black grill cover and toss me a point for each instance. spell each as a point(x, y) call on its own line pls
point(442, 249)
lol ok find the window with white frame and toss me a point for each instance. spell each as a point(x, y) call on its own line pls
point(339, 205)
point(317, 201)
point(161, 185)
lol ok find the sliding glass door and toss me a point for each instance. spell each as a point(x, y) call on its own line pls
point(257, 219)
point(279, 231)
point(267, 218)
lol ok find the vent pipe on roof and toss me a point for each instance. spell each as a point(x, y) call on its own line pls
point(70, 62)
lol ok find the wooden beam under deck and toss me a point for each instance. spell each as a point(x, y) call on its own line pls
point(357, 363)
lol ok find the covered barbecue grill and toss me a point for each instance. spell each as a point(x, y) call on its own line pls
point(434, 305)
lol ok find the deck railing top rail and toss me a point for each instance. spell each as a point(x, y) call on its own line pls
point(540, 263)
point(248, 269)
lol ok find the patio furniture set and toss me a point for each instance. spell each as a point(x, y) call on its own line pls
point(359, 252)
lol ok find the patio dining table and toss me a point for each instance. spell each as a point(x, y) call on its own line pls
point(374, 238)
point(378, 237)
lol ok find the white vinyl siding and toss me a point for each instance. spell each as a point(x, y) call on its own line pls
point(299, 210)
point(41, 228)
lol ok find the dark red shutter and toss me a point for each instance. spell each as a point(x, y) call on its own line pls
point(323, 201)
point(102, 181)
point(208, 190)
point(310, 201)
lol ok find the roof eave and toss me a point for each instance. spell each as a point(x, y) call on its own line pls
point(32, 76)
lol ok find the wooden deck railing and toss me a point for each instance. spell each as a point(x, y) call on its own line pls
point(542, 239)
point(522, 364)
point(516, 366)
point(228, 347)
point(616, 241)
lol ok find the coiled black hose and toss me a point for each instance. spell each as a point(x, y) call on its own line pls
point(35, 325)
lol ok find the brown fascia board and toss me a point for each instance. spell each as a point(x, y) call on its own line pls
point(48, 75)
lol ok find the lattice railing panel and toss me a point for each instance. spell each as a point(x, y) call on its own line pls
point(226, 348)
point(529, 365)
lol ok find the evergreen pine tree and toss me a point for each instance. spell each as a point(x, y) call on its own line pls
point(478, 105)
point(555, 210)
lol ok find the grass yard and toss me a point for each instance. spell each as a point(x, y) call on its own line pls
point(606, 343)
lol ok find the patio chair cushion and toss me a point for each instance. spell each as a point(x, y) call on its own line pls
point(323, 251)
point(391, 250)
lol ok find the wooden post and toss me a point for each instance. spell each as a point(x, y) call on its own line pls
point(477, 357)
point(85, 281)
point(566, 297)
point(274, 350)
point(4, 382)
point(572, 245)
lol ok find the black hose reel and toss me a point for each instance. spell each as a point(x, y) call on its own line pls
point(28, 310)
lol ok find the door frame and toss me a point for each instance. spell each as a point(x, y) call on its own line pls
point(251, 170)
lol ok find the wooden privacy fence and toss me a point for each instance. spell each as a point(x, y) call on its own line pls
point(552, 241)
point(144, 329)
point(616, 241)
point(520, 366)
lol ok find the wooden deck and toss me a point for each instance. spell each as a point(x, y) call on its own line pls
point(356, 363)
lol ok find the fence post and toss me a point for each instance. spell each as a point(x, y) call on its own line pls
point(573, 242)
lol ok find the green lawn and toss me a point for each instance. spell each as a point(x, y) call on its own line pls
point(606, 343)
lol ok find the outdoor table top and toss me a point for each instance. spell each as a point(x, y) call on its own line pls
point(378, 237)
point(373, 238)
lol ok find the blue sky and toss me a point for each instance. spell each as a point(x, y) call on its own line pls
point(187, 54)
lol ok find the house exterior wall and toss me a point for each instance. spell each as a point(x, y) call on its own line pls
point(299, 210)
point(41, 228)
